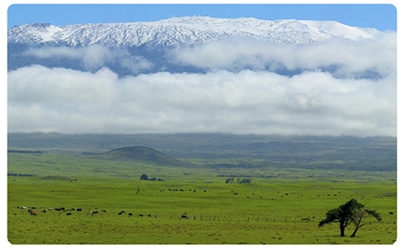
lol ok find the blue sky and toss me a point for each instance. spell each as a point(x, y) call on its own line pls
point(379, 16)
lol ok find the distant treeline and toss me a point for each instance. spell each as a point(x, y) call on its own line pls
point(238, 180)
point(20, 174)
point(26, 151)
point(144, 177)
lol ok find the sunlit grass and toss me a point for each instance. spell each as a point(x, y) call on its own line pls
point(284, 209)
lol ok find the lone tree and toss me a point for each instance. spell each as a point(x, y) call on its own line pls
point(350, 212)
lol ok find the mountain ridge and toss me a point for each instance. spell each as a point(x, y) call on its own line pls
point(181, 44)
point(188, 31)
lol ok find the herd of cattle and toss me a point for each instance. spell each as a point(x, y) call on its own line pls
point(33, 211)
point(68, 212)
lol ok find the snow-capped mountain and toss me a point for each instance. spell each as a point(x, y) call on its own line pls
point(187, 31)
point(168, 45)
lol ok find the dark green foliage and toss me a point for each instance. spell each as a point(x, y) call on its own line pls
point(350, 212)
point(144, 177)
point(238, 180)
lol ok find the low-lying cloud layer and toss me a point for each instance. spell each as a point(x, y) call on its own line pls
point(345, 58)
point(229, 98)
point(92, 57)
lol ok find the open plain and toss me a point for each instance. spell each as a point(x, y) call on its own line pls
point(129, 196)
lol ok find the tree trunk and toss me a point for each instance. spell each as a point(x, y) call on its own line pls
point(342, 227)
point(355, 230)
point(357, 227)
point(354, 233)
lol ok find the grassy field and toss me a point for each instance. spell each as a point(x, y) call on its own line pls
point(192, 205)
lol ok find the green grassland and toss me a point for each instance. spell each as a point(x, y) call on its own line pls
point(281, 205)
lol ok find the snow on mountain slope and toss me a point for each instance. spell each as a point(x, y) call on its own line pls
point(188, 31)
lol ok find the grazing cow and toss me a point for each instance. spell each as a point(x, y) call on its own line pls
point(93, 212)
point(130, 215)
point(140, 215)
point(79, 209)
point(68, 214)
point(32, 212)
point(184, 216)
point(43, 211)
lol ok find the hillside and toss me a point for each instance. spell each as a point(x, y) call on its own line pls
point(316, 152)
point(141, 154)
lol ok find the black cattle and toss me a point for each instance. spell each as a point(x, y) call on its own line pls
point(130, 215)
point(79, 209)
point(68, 214)
point(183, 216)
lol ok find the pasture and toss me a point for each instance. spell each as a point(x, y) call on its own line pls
point(190, 206)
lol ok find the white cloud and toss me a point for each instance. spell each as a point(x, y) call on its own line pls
point(350, 58)
point(44, 99)
point(236, 95)
point(92, 57)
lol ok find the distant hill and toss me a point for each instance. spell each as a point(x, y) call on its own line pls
point(142, 154)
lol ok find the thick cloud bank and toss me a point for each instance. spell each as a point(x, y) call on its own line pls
point(229, 98)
